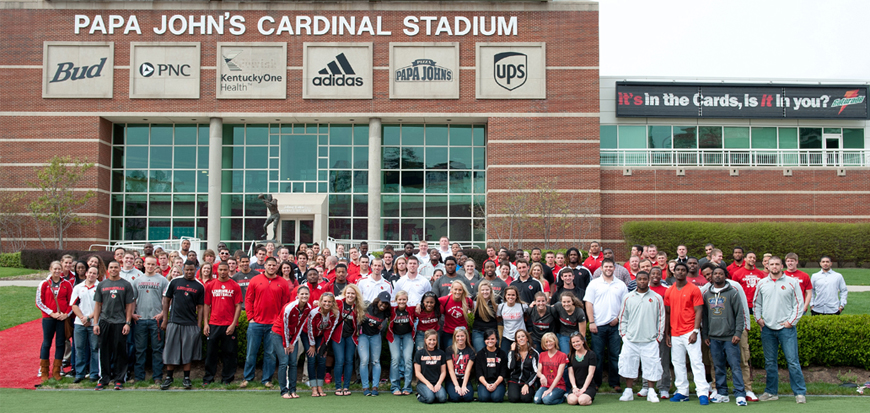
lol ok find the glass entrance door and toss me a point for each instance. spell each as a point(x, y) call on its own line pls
point(295, 232)
point(833, 143)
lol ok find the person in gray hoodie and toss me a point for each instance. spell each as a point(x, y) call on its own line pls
point(721, 329)
point(642, 327)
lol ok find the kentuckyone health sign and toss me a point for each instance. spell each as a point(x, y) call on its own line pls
point(749, 101)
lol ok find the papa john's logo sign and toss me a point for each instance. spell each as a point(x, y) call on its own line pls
point(510, 69)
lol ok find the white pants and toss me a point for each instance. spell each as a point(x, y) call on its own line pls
point(645, 354)
point(679, 347)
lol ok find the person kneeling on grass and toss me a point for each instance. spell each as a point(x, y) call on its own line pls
point(431, 370)
point(185, 297)
point(551, 370)
point(581, 370)
point(491, 368)
point(460, 364)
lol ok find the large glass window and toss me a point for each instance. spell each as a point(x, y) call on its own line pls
point(632, 137)
point(737, 138)
point(764, 138)
point(660, 137)
point(811, 138)
point(853, 138)
point(710, 137)
point(685, 137)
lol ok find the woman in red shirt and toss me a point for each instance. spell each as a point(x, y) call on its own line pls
point(428, 316)
point(321, 327)
point(352, 310)
point(551, 369)
point(456, 307)
point(287, 328)
point(52, 298)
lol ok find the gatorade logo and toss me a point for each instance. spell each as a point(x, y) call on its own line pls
point(511, 69)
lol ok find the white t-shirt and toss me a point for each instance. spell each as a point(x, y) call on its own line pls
point(415, 288)
point(606, 299)
point(85, 296)
point(513, 318)
point(371, 288)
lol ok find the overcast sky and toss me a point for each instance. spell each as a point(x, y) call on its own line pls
point(769, 39)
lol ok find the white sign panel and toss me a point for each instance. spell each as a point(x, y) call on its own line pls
point(511, 71)
point(164, 70)
point(78, 70)
point(424, 70)
point(337, 71)
point(251, 70)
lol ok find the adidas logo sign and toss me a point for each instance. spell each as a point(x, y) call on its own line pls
point(338, 72)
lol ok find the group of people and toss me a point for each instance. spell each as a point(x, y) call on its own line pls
point(453, 326)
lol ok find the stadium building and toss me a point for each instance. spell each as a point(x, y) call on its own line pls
point(392, 120)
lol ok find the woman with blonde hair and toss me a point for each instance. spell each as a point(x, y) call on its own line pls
point(401, 265)
point(401, 334)
point(551, 369)
point(456, 307)
point(351, 310)
point(322, 326)
point(460, 363)
point(537, 272)
point(485, 309)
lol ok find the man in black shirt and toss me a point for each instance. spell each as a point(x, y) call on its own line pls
point(113, 309)
point(527, 285)
point(568, 286)
point(185, 296)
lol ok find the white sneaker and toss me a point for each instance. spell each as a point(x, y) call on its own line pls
point(713, 395)
point(750, 396)
point(652, 398)
point(643, 392)
point(665, 394)
point(720, 399)
point(627, 395)
point(741, 401)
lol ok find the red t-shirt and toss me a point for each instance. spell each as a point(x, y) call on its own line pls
point(550, 367)
point(803, 278)
point(592, 263)
point(699, 281)
point(316, 292)
point(427, 321)
point(748, 279)
point(682, 303)
point(352, 269)
point(453, 314)
point(222, 297)
point(660, 290)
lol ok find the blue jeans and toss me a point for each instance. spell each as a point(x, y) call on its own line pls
point(148, 330)
point(455, 397)
point(607, 336)
point(478, 341)
point(317, 363)
point(505, 344)
point(87, 347)
point(401, 354)
point(343, 352)
point(771, 340)
point(369, 360)
point(555, 397)
point(724, 355)
point(565, 345)
point(285, 373)
point(486, 396)
point(258, 334)
point(420, 342)
point(427, 396)
point(445, 340)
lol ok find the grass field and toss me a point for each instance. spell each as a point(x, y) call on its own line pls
point(142, 401)
point(858, 303)
point(17, 306)
point(14, 272)
point(853, 276)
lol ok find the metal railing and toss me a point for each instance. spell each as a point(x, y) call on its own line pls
point(736, 157)
point(168, 245)
point(378, 245)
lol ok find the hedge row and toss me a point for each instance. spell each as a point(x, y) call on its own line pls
point(824, 341)
point(11, 260)
point(845, 243)
point(40, 259)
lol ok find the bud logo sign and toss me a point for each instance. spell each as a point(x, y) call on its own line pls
point(337, 71)
point(511, 71)
point(251, 71)
point(685, 100)
point(511, 66)
point(78, 69)
point(164, 70)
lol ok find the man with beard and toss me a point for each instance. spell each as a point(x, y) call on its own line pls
point(442, 285)
point(582, 275)
point(738, 260)
point(498, 285)
point(694, 276)
point(621, 273)
point(684, 304)
point(593, 262)
point(267, 293)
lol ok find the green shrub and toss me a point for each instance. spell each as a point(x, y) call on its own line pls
point(823, 341)
point(40, 259)
point(845, 243)
point(11, 260)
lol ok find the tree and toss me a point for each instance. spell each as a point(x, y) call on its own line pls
point(580, 217)
point(512, 214)
point(12, 222)
point(552, 208)
point(57, 203)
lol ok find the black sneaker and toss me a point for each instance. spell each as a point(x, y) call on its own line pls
point(99, 387)
point(186, 383)
point(78, 379)
point(119, 385)
point(206, 383)
point(167, 383)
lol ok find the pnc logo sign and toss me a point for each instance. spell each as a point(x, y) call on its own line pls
point(67, 71)
point(148, 69)
point(510, 69)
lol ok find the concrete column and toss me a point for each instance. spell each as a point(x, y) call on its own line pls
point(374, 179)
point(215, 149)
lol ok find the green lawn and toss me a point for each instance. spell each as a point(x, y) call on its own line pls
point(238, 401)
point(17, 306)
point(858, 303)
point(853, 276)
point(14, 272)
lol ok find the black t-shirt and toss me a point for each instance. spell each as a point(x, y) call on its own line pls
point(461, 358)
point(402, 322)
point(430, 363)
point(568, 323)
point(577, 291)
point(581, 368)
point(185, 295)
point(541, 324)
point(337, 288)
point(482, 325)
point(114, 296)
point(347, 314)
point(491, 364)
point(244, 279)
point(373, 320)
point(528, 289)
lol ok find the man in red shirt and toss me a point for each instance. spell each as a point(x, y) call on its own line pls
point(748, 276)
point(684, 304)
point(738, 262)
point(223, 304)
point(490, 256)
point(694, 276)
point(593, 261)
point(266, 295)
point(633, 266)
point(353, 263)
point(791, 264)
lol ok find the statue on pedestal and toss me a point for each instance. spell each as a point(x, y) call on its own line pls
point(274, 216)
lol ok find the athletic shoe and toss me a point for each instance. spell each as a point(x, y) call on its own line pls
point(800, 399)
point(627, 395)
point(375, 391)
point(167, 383)
point(751, 397)
point(704, 400)
point(679, 398)
point(713, 394)
point(206, 383)
point(119, 385)
point(652, 398)
point(99, 387)
point(78, 379)
point(186, 383)
point(367, 392)
point(720, 399)
point(741, 401)
point(767, 397)
point(665, 394)
point(643, 392)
